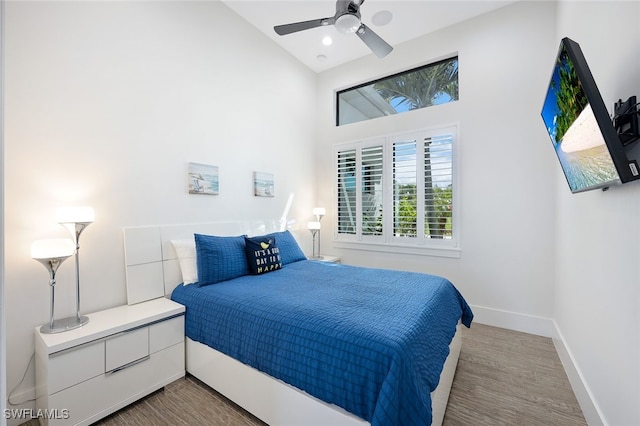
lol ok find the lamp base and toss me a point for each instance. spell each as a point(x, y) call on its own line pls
point(318, 257)
point(64, 324)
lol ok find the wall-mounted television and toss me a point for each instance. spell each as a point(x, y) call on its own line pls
point(583, 135)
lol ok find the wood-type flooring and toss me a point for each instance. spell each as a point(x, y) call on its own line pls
point(504, 377)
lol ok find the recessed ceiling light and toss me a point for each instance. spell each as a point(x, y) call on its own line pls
point(381, 18)
point(327, 41)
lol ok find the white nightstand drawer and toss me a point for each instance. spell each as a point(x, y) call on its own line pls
point(166, 333)
point(75, 365)
point(104, 394)
point(126, 348)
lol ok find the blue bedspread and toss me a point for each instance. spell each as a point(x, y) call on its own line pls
point(369, 340)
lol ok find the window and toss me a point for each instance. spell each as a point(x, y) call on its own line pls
point(398, 190)
point(372, 190)
point(363, 165)
point(421, 87)
point(347, 192)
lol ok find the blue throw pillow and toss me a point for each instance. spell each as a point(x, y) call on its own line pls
point(290, 251)
point(220, 258)
point(263, 254)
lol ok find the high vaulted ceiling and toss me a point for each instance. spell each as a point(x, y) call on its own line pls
point(409, 19)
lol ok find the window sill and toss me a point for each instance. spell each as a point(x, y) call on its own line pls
point(450, 252)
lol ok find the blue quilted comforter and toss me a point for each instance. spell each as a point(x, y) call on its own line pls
point(369, 340)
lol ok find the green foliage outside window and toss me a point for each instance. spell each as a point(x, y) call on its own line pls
point(437, 221)
point(421, 88)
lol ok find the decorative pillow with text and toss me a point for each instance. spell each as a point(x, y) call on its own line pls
point(263, 254)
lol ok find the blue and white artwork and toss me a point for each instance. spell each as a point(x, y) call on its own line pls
point(263, 184)
point(203, 179)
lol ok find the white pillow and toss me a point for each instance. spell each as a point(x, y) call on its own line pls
point(186, 252)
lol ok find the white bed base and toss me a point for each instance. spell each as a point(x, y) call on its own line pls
point(153, 271)
point(277, 403)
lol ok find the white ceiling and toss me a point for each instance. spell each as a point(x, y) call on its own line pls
point(410, 19)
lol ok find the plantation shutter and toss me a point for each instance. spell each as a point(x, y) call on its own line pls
point(405, 202)
point(438, 177)
point(347, 214)
point(372, 173)
point(398, 191)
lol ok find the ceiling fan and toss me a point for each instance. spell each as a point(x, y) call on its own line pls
point(347, 21)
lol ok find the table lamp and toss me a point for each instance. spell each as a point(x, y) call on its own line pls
point(76, 219)
point(51, 253)
point(318, 212)
point(314, 227)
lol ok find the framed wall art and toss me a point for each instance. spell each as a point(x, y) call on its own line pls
point(263, 185)
point(203, 179)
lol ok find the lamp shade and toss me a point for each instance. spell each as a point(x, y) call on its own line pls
point(52, 248)
point(75, 214)
point(313, 225)
point(319, 211)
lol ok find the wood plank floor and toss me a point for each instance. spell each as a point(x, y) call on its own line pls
point(509, 378)
point(503, 378)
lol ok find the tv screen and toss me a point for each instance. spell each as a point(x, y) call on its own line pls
point(583, 135)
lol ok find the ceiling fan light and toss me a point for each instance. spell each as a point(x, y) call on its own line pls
point(347, 23)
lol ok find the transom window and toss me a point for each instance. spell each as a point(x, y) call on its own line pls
point(398, 190)
point(417, 88)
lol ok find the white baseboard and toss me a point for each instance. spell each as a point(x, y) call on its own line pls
point(589, 408)
point(548, 328)
point(514, 321)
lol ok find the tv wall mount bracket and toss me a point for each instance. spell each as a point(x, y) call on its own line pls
point(625, 120)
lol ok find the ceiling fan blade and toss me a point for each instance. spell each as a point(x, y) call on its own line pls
point(301, 26)
point(377, 45)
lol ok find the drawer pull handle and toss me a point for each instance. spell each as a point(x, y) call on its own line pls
point(130, 364)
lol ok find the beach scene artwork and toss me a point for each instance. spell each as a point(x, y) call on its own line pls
point(203, 179)
point(574, 131)
point(263, 185)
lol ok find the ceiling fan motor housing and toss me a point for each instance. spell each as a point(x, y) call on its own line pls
point(347, 23)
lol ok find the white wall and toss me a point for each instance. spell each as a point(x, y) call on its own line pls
point(106, 103)
point(507, 180)
point(3, 340)
point(597, 298)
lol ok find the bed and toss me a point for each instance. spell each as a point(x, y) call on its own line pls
point(304, 342)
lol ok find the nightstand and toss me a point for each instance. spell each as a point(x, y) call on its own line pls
point(330, 259)
point(119, 356)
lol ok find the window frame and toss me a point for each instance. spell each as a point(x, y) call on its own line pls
point(357, 87)
point(387, 242)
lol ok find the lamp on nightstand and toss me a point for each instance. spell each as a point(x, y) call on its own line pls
point(318, 212)
point(314, 227)
point(51, 253)
point(76, 219)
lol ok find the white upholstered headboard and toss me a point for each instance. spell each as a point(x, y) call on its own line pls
point(152, 269)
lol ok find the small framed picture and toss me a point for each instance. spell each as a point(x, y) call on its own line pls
point(203, 179)
point(263, 184)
